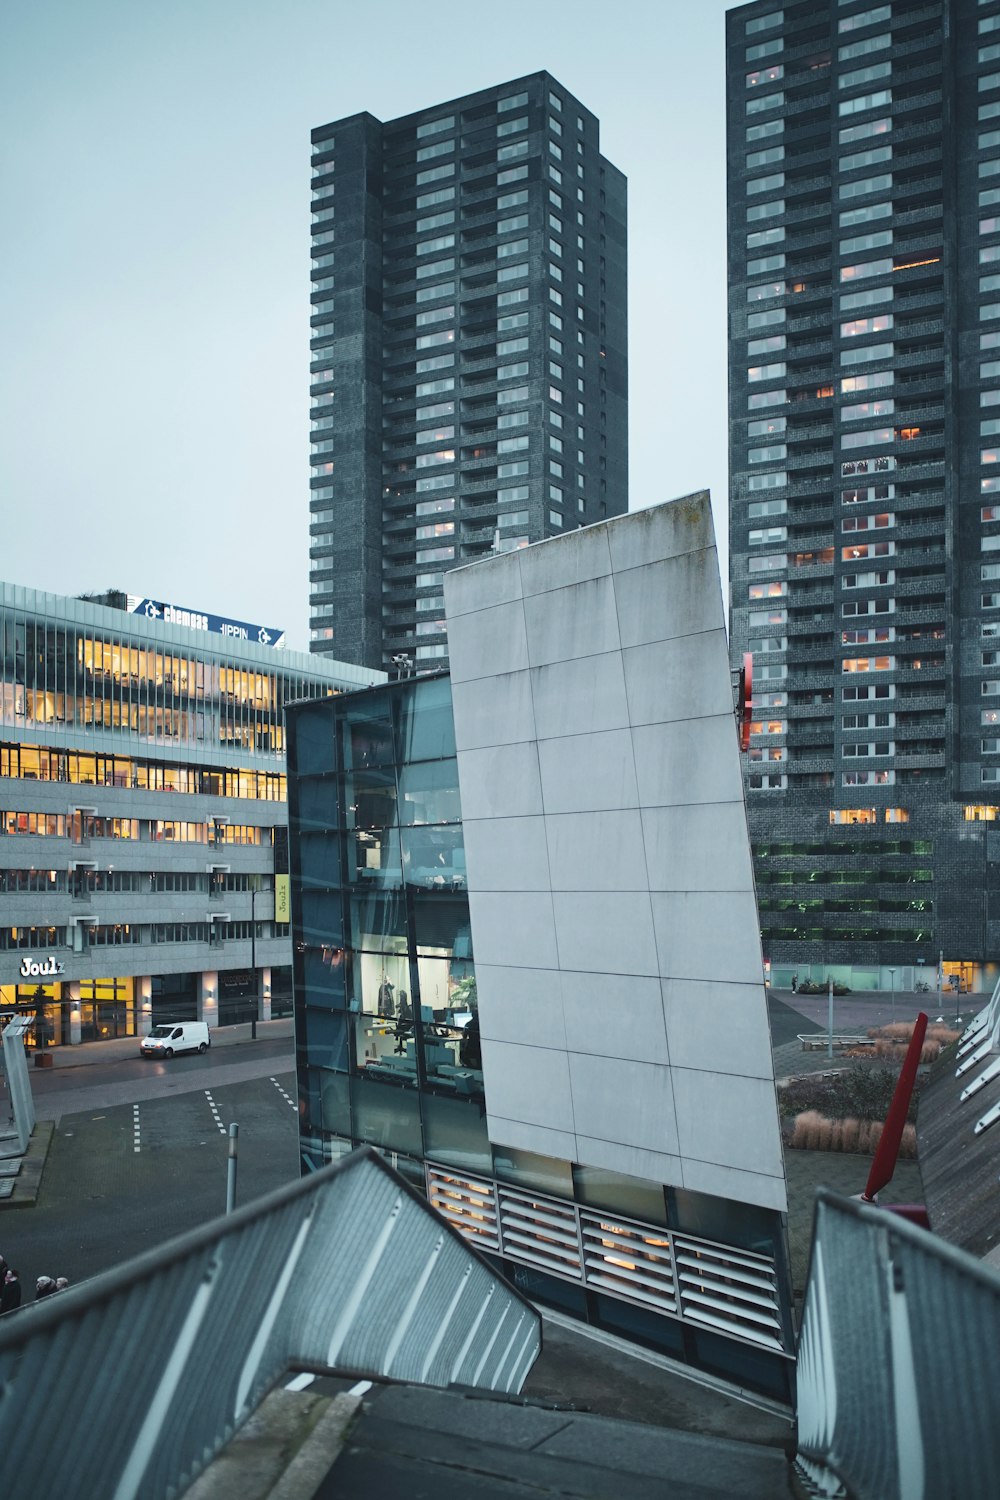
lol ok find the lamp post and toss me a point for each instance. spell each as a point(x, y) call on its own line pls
point(253, 957)
point(892, 981)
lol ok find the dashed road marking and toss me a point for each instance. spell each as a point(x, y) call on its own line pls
point(215, 1113)
point(361, 1389)
point(287, 1097)
point(299, 1382)
point(136, 1144)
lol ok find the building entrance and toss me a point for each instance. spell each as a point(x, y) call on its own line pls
point(107, 1009)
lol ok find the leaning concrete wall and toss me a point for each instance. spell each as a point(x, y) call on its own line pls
point(615, 928)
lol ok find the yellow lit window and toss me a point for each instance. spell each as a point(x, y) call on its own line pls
point(897, 815)
point(853, 815)
point(978, 814)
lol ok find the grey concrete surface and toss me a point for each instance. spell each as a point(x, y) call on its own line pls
point(283, 1452)
point(414, 1442)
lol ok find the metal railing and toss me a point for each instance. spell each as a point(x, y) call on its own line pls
point(152, 1367)
point(899, 1362)
point(22, 1101)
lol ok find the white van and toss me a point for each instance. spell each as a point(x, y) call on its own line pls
point(184, 1036)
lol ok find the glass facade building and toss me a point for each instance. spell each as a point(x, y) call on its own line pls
point(142, 817)
point(863, 317)
point(389, 1054)
point(468, 371)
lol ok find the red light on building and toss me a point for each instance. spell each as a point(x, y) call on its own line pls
point(745, 711)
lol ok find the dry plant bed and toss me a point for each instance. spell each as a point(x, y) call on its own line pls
point(845, 1110)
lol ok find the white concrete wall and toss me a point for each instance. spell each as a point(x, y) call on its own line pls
point(615, 928)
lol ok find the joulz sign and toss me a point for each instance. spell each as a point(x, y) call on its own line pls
point(32, 970)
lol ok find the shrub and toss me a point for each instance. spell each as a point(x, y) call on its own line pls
point(812, 1131)
point(805, 1131)
point(862, 1092)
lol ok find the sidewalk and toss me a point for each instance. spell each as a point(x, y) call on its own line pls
point(127, 1047)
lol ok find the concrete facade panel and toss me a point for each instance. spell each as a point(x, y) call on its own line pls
point(501, 780)
point(580, 620)
point(516, 859)
point(492, 711)
point(531, 1084)
point(588, 772)
point(495, 635)
point(579, 697)
point(699, 847)
point(512, 928)
point(687, 761)
point(614, 1015)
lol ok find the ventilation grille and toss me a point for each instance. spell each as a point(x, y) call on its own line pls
point(629, 1261)
point(730, 1291)
point(542, 1232)
point(467, 1202)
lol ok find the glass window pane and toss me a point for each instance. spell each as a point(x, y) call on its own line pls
point(525, 1169)
point(319, 802)
point(427, 729)
point(322, 918)
point(326, 1038)
point(387, 1115)
point(366, 731)
point(335, 1093)
point(319, 856)
point(434, 857)
point(428, 793)
point(324, 976)
point(455, 1133)
point(631, 1196)
point(378, 922)
point(314, 742)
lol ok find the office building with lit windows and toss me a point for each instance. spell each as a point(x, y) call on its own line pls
point(143, 828)
point(468, 367)
point(864, 315)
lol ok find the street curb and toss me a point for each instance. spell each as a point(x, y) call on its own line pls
point(29, 1180)
point(284, 1451)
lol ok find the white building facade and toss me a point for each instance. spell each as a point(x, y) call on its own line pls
point(142, 814)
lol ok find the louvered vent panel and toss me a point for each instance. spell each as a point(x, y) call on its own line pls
point(469, 1203)
point(630, 1261)
point(732, 1291)
point(541, 1232)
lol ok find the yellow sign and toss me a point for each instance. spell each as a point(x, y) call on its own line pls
point(282, 898)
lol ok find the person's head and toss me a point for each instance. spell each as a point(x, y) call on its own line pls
point(44, 1286)
point(61, 1283)
point(11, 1274)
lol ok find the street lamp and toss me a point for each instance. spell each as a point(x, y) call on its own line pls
point(253, 957)
point(892, 981)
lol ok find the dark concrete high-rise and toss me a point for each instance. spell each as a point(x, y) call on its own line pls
point(864, 314)
point(468, 370)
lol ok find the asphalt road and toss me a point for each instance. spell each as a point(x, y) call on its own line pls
point(140, 1154)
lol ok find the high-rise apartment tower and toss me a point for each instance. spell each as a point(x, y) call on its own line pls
point(864, 313)
point(468, 353)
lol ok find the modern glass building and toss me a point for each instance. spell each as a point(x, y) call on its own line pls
point(609, 1139)
point(863, 319)
point(143, 830)
point(468, 370)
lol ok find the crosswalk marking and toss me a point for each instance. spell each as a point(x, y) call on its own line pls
point(215, 1113)
point(135, 1128)
point(287, 1097)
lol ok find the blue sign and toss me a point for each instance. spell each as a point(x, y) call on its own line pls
point(192, 619)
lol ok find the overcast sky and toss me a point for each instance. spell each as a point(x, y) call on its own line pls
point(155, 254)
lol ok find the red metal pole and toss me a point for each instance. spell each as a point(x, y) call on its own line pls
point(884, 1163)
